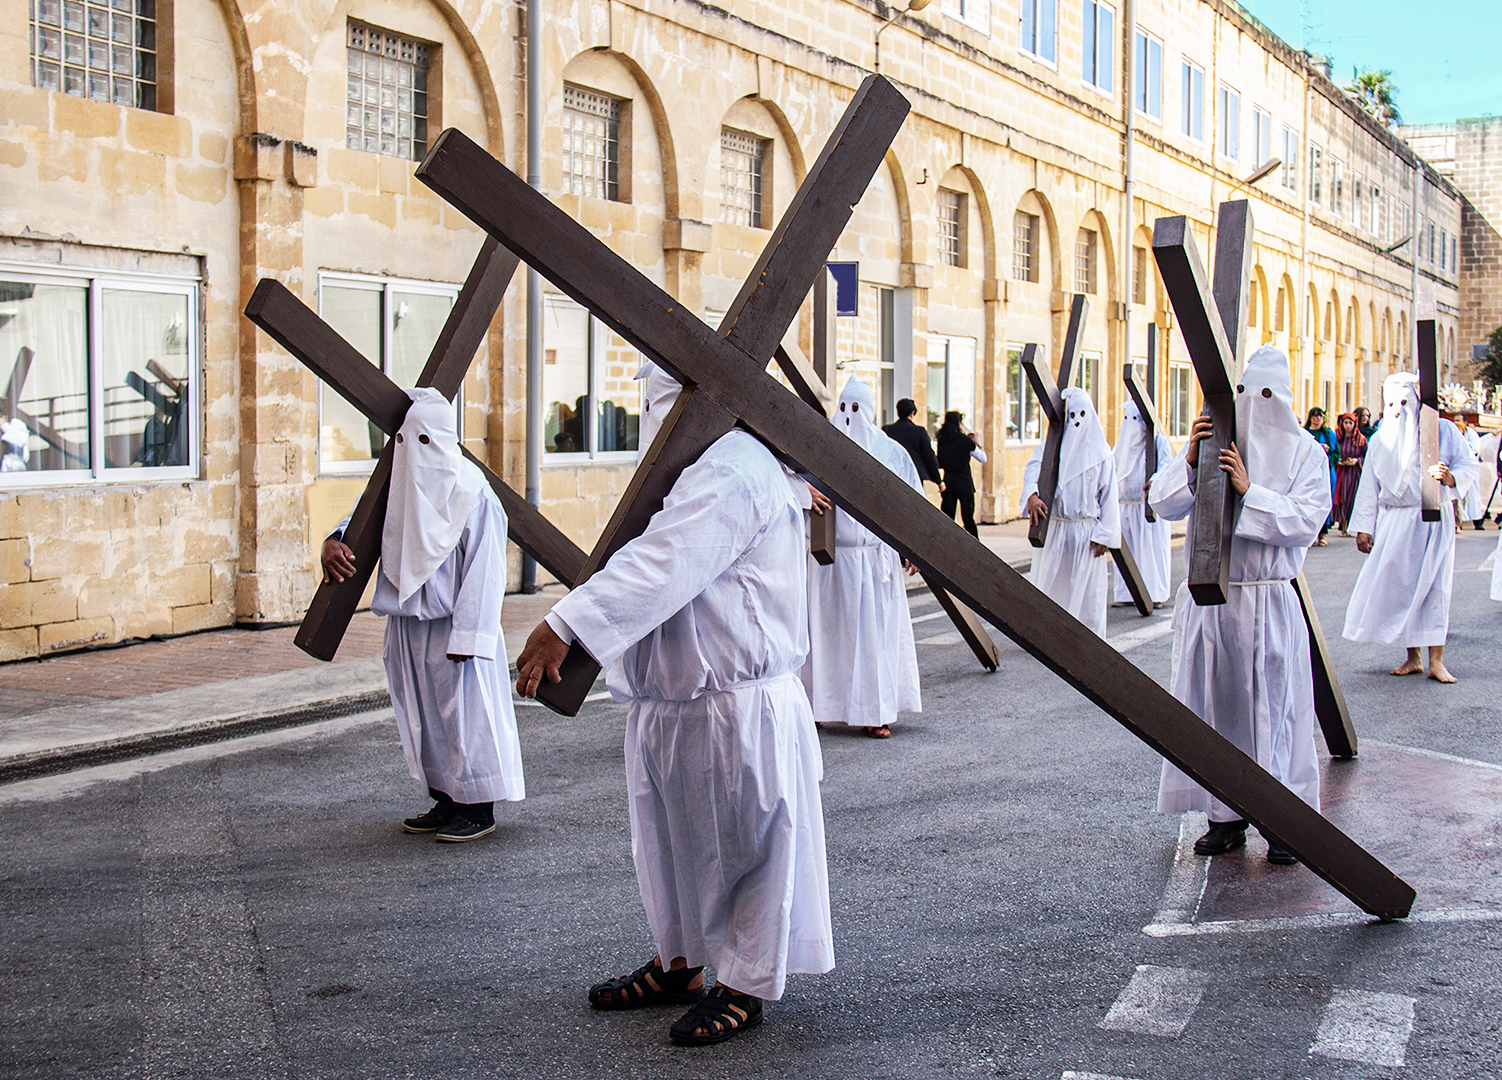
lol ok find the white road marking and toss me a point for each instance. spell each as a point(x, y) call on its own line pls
point(951, 638)
point(1435, 754)
point(1158, 1001)
point(1188, 877)
point(1070, 1074)
point(1366, 1027)
point(1329, 920)
point(1141, 636)
point(931, 615)
point(1487, 563)
point(599, 695)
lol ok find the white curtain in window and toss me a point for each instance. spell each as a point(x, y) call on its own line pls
point(51, 397)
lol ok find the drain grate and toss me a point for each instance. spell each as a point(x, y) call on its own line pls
point(49, 763)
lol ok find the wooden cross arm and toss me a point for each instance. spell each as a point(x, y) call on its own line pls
point(1430, 495)
point(802, 378)
point(1188, 289)
point(657, 325)
point(1142, 400)
point(1042, 382)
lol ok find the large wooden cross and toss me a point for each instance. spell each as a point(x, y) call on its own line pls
point(1142, 397)
point(726, 383)
point(1428, 357)
point(302, 333)
point(1050, 394)
point(1214, 332)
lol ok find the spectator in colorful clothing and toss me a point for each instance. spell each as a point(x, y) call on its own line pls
point(1321, 434)
point(1348, 468)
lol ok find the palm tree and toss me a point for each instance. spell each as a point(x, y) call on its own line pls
point(1374, 91)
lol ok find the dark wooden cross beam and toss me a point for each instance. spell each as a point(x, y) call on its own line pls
point(1213, 325)
point(1329, 700)
point(1142, 397)
point(1050, 394)
point(731, 371)
point(1429, 489)
point(302, 333)
point(1050, 399)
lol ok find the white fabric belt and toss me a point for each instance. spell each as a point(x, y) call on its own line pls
point(1275, 581)
point(1131, 502)
point(1052, 518)
point(755, 682)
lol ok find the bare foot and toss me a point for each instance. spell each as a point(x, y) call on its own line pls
point(1409, 667)
point(1439, 673)
point(885, 732)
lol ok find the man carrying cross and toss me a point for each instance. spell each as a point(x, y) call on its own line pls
point(702, 625)
point(862, 667)
point(1402, 595)
point(443, 574)
point(1085, 520)
point(1244, 665)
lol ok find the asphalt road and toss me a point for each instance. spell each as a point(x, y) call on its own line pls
point(251, 909)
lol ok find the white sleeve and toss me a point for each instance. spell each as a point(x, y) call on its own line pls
point(1107, 531)
point(561, 628)
point(1294, 519)
point(1364, 511)
point(338, 532)
point(1030, 475)
point(1171, 494)
point(475, 625)
point(1455, 452)
point(979, 455)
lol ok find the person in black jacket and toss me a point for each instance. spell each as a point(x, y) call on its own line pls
point(915, 441)
point(956, 448)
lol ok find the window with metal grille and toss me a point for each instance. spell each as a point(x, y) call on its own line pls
point(1025, 247)
point(1084, 261)
point(386, 93)
point(741, 158)
point(104, 50)
point(951, 227)
point(591, 143)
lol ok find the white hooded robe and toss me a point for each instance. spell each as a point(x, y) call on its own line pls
point(702, 624)
point(1085, 511)
point(1150, 542)
point(1243, 666)
point(862, 666)
point(445, 542)
point(1402, 595)
point(1470, 499)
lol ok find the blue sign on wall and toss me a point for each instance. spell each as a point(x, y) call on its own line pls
point(847, 287)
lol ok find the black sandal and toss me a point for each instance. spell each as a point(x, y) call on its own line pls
point(647, 985)
point(721, 1015)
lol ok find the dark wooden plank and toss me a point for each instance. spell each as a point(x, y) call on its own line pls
point(469, 319)
point(1329, 701)
point(1144, 402)
point(1233, 275)
point(1052, 391)
point(693, 425)
point(17, 381)
point(1208, 551)
point(1127, 566)
point(658, 326)
point(826, 327)
point(801, 377)
point(821, 542)
point(971, 629)
point(1428, 360)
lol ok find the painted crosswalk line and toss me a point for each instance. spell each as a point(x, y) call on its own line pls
point(1371, 1028)
point(1158, 1001)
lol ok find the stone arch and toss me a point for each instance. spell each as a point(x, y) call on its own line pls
point(982, 210)
point(245, 71)
point(1288, 295)
point(789, 136)
point(1258, 315)
point(1106, 285)
point(752, 115)
point(616, 73)
point(1034, 201)
point(904, 205)
point(1142, 237)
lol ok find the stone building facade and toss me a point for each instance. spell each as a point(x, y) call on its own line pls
point(174, 470)
point(1468, 153)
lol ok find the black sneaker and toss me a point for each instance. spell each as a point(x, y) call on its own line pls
point(463, 828)
point(436, 818)
point(1222, 837)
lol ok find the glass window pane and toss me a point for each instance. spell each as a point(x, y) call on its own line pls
point(343, 433)
point(417, 319)
point(565, 377)
point(44, 377)
point(618, 414)
point(144, 351)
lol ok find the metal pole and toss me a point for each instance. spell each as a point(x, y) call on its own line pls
point(534, 281)
point(1128, 235)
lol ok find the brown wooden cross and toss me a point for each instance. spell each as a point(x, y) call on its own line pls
point(1050, 396)
point(1214, 328)
point(1142, 397)
point(302, 333)
point(1428, 357)
point(726, 382)
point(1214, 332)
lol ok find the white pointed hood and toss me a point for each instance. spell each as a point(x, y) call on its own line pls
point(1131, 440)
point(1268, 434)
point(433, 489)
point(1392, 453)
point(855, 414)
point(662, 392)
point(1084, 443)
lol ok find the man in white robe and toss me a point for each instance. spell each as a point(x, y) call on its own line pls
point(862, 667)
point(1150, 542)
point(441, 579)
point(1243, 666)
point(1085, 522)
point(1402, 595)
point(702, 625)
point(1469, 501)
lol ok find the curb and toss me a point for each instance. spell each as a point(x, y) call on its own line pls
point(67, 759)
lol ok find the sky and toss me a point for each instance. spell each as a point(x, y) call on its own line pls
point(1443, 54)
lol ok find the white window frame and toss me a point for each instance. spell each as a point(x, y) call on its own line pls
point(1091, 363)
point(1178, 426)
point(1316, 192)
point(1191, 111)
point(1227, 130)
point(385, 286)
point(96, 281)
point(1356, 204)
point(1262, 135)
point(1037, 7)
point(975, 14)
point(1104, 84)
point(1147, 46)
point(1290, 159)
point(597, 332)
point(1337, 188)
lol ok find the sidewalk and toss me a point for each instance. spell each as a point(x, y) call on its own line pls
point(89, 708)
